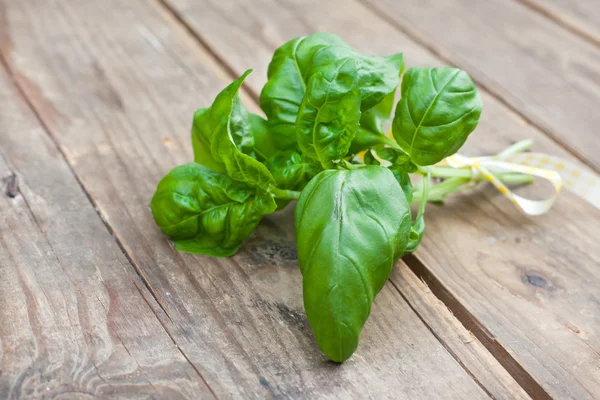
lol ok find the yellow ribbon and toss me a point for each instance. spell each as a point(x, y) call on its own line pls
point(483, 166)
point(578, 179)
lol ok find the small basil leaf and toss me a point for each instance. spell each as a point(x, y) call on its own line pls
point(403, 179)
point(330, 111)
point(438, 110)
point(398, 159)
point(292, 170)
point(371, 130)
point(231, 138)
point(349, 233)
point(206, 212)
point(202, 130)
point(282, 95)
point(265, 145)
point(369, 159)
point(416, 234)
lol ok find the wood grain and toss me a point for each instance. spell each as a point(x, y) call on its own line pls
point(526, 286)
point(116, 83)
point(75, 322)
point(581, 16)
point(545, 73)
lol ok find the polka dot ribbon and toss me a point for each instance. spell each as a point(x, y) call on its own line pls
point(483, 166)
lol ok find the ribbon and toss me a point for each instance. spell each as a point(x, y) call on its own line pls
point(483, 167)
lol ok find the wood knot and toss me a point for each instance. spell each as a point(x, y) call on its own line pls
point(534, 279)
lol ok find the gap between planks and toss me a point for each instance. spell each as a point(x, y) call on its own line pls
point(468, 320)
point(435, 51)
point(4, 64)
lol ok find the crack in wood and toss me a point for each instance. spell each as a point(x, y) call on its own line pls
point(470, 322)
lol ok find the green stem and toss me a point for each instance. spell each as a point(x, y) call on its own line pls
point(424, 195)
point(439, 191)
point(516, 148)
point(285, 194)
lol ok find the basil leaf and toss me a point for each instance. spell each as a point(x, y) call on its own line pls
point(282, 95)
point(330, 112)
point(228, 128)
point(202, 130)
point(351, 226)
point(206, 212)
point(438, 110)
point(417, 231)
point(377, 76)
point(398, 159)
point(295, 62)
point(264, 143)
point(371, 130)
point(403, 179)
point(369, 159)
point(292, 170)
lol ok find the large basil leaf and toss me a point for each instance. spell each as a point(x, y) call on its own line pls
point(377, 76)
point(330, 112)
point(292, 170)
point(223, 138)
point(282, 94)
point(206, 212)
point(295, 62)
point(438, 110)
point(351, 226)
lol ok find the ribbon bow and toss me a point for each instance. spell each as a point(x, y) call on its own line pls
point(483, 167)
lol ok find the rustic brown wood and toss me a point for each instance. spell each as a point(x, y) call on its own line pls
point(116, 84)
point(74, 317)
point(542, 71)
point(581, 16)
point(526, 286)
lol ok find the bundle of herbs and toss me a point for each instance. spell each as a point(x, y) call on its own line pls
point(323, 144)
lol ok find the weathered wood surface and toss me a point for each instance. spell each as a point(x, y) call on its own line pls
point(74, 316)
point(581, 16)
point(545, 72)
point(527, 287)
point(116, 83)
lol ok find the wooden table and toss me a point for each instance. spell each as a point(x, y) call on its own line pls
point(96, 102)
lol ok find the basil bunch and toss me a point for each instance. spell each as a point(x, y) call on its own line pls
point(325, 103)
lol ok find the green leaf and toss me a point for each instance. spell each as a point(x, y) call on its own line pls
point(291, 170)
point(369, 159)
point(398, 159)
point(330, 112)
point(295, 62)
point(438, 110)
point(227, 128)
point(264, 143)
point(371, 130)
point(377, 76)
point(202, 130)
point(403, 179)
point(417, 231)
point(351, 226)
point(282, 95)
point(206, 212)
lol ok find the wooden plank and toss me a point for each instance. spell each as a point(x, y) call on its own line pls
point(544, 72)
point(519, 283)
point(117, 84)
point(74, 316)
point(580, 16)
